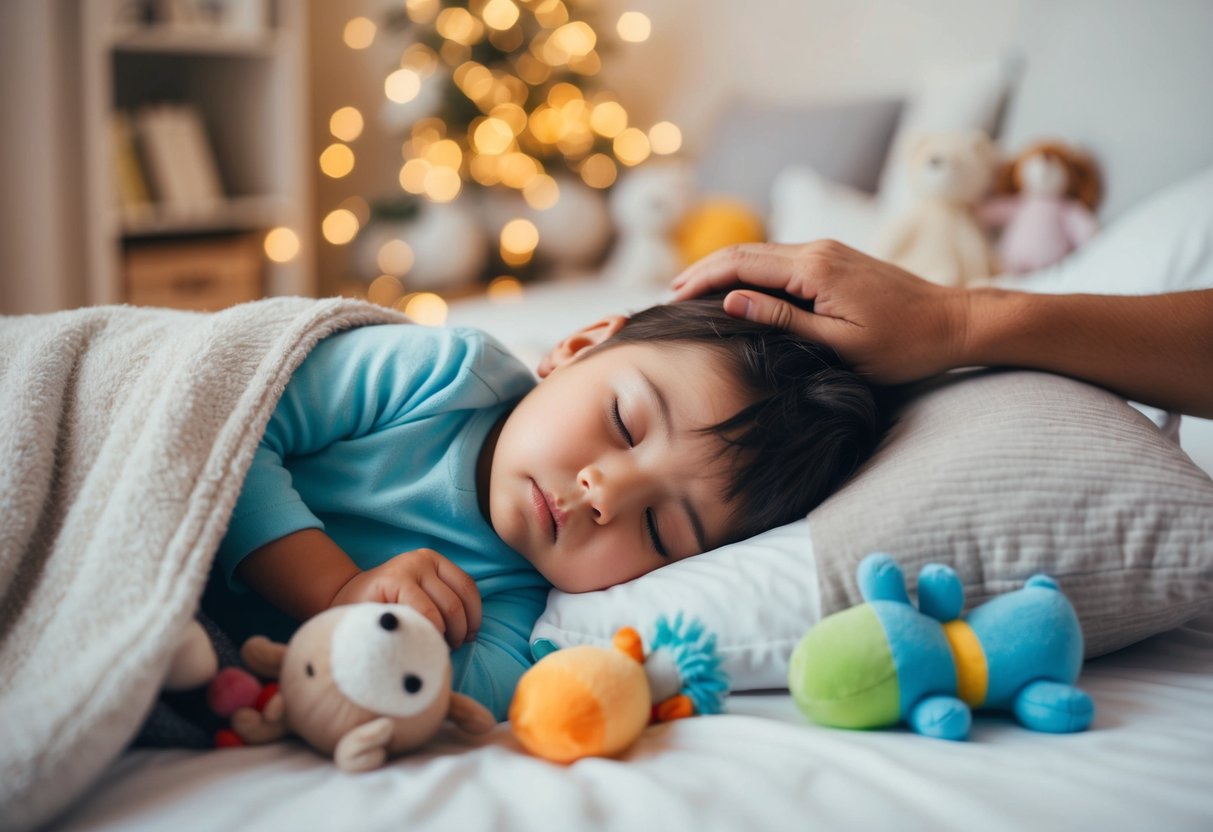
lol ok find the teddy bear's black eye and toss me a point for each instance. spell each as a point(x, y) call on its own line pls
point(412, 683)
point(310, 670)
point(388, 621)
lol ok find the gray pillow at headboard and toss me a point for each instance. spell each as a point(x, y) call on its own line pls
point(845, 142)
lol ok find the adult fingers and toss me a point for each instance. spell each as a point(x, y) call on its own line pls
point(764, 309)
point(769, 265)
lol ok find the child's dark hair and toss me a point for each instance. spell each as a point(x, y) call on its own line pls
point(811, 421)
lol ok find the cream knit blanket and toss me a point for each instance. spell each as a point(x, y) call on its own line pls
point(125, 435)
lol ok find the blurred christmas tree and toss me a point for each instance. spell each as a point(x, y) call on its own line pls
point(499, 95)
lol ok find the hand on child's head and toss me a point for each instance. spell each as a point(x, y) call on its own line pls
point(427, 582)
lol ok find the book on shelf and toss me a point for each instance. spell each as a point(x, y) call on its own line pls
point(130, 185)
point(178, 158)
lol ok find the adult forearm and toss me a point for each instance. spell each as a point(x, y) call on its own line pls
point(1157, 349)
point(299, 573)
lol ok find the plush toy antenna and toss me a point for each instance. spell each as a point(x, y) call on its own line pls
point(880, 579)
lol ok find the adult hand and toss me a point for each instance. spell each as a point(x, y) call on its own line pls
point(427, 582)
point(883, 321)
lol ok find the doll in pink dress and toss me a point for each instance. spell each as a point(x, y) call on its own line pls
point(1046, 207)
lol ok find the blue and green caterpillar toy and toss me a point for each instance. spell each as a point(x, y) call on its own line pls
point(884, 662)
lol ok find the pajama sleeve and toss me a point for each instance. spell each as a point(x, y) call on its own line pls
point(488, 668)
point(351, 384)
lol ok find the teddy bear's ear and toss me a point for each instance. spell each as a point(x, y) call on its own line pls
point(263, 657)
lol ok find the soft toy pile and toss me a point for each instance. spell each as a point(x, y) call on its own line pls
point(884, 662)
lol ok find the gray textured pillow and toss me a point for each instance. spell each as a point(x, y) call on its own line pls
point(1005, 474)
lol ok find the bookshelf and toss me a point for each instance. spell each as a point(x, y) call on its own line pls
point(248, 88)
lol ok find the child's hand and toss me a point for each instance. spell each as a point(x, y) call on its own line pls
point(427, 582)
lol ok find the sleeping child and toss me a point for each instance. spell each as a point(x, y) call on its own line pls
point(425, 466)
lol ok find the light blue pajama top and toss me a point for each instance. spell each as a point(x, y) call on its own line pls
point(375, 441)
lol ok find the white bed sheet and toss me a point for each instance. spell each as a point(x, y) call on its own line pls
point(1147, 763)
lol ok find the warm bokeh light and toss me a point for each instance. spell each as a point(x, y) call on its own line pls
point(340, 226)
point(359, 33)
point(425, 308)
point(384, 290)
point(459, 25)
point(337, 160)
point(551, 13)
point(281, 244)
point(631, 146)
point(665, 137)
point(442, 184)
point(505, 289)
point(634, 27)
point(518, 170)
point(421, 11)
point(395, 258)
point(412, 175)
point(541, 193)
point(572, 40)
point(519, 236)
point(563, 93)
point(500, 14)
point(444, 153)
point(599, 171)
point(609, 119)
point(346, 124)
point(511, 114)
point(402, 86)
point(419, 58)
point(492, 136)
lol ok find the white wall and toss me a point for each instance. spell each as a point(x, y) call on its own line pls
point(41, 241)
point(704, 53)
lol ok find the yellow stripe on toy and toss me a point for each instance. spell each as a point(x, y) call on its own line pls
point(972, 674)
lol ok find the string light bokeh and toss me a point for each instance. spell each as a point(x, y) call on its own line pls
point(520, 109)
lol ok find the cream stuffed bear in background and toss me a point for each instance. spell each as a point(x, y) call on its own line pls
point(939, 237)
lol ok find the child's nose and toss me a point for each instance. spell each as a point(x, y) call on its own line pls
point(605, 492)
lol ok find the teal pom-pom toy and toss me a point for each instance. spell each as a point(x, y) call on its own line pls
point(884, 662)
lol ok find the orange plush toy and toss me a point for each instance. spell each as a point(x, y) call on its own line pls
point(1045, 203)
point(589, 701)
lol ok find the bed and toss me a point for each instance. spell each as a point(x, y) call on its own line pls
point(1147, 762)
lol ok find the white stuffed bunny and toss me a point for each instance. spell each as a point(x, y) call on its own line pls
point(646, 206)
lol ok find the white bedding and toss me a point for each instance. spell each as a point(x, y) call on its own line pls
point(1147, 763)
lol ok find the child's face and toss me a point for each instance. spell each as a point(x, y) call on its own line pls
point(594, 480)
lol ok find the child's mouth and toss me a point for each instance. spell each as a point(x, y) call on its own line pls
point(545, 509)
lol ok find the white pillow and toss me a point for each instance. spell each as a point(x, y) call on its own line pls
point(1165, 244)
point(742, 592)
point(807, 206)
point(948, 97)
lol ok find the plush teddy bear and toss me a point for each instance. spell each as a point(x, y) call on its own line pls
point(358, 682)
point(1044, 202)
point(939, 237)
point(884, 662)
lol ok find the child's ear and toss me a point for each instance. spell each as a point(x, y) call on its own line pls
point(580, 341)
